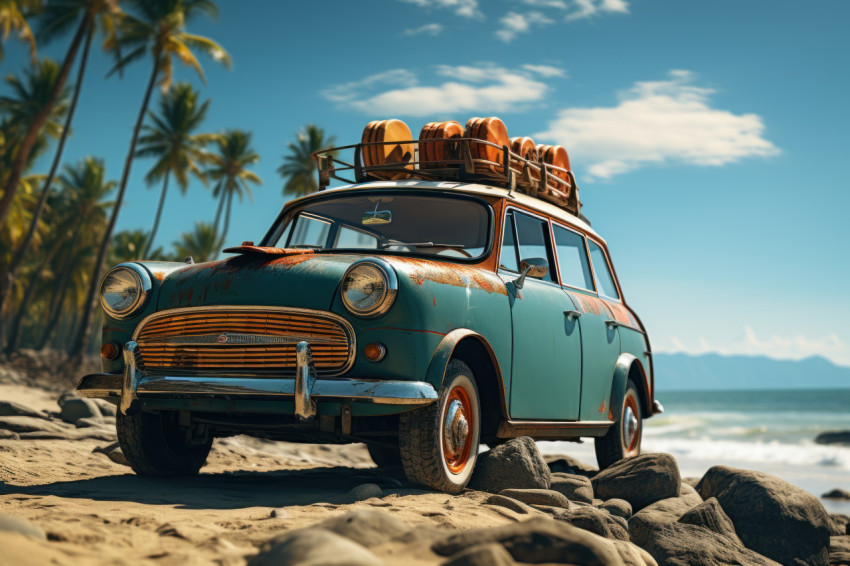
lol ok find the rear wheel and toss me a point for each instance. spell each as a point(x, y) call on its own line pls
point(439, 443)
point(623, 438)
point(155, 445)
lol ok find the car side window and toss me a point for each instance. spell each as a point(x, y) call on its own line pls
point(348, 238)
point(309, 231)
point(508, 256)
point(603, 274)
point(572, 259)
point(533, 240)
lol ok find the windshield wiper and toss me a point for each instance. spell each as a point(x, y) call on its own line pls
point(423, 245)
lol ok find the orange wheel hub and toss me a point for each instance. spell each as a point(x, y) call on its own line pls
point(457, 430)
point(631, 425)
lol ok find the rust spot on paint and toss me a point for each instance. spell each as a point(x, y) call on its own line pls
point(621, 314)
point(601, 408)
point(435, 301)
point(251, 249)
point(421, 270)
point(610, 415)
point(289, 260)
point(418, 279)
point(159, 275)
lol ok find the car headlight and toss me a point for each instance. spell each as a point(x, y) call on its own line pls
point(124, 291)
point(369, 288)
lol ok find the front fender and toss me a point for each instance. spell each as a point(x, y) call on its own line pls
point(443, 354)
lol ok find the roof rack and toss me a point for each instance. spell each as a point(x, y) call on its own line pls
point(534, 178)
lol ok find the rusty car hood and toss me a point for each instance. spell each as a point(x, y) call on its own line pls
point(270, 276)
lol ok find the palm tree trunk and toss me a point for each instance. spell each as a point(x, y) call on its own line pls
point(57, 159)
point(15, 328)
point(227, 217)
point(22, 156)
point(78, 346)
point(218, 211)
point(55, 313)
point(149, 245)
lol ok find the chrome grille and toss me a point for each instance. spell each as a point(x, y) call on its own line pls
point(242, 341)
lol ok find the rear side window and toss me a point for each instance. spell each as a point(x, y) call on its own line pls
point(572, 259)
point(533, 241)
point(602, 272)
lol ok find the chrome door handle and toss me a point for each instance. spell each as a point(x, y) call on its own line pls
point(613, 323)
point(572, 315)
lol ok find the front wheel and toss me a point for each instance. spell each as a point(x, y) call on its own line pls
point(155, 445)
point(439, 443)
point(623, 438)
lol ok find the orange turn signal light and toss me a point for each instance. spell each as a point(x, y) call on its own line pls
point(110, 351)
point(375, 352)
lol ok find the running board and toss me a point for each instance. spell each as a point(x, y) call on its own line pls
point(552, 430)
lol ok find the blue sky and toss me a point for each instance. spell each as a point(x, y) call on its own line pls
point(710, 139)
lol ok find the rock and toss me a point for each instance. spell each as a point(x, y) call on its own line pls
point(510, 503)
point(8, 435)
point(537, 497)
point(839, 524)
point(76, 408)
point(536, 541)
point(313, 547)
point(641, 480)
point(836, 494)
point(281, 513)
point(367, 527)
point(563, 463)
point(597, 521)
point(364, 491)
point(839, 544)
point(492, 554)
point(574, 487)
point(11, 524)
point(771, 516)
point(689, 495)
point(643, 524)
point(87, 422)
point(13, 409)
point(515, 464)
point(633, 555)
point(691, 481)
point(710, 515)
point(30, 424)
point(618, 508)
point(834, 437)
point(690, 545)
point(107, 409)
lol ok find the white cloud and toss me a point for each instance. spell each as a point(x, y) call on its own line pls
point(581, 9)
point(546, 71)
point(427, 29)
point(658, 122)
point(560, 4)
point(479, 88)
point(514, 23)
point(466, 8)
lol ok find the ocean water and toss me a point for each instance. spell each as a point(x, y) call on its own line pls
point(770, 431)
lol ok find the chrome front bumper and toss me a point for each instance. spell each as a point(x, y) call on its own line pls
point(305, 390)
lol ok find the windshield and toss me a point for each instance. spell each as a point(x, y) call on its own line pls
point(403, 223)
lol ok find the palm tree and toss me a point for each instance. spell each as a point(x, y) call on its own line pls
point(13, 17)
point(229, 166)
point(202, 244)
point(130, 245)
point(179, 152)
point(160, 29)
point(55, 20)
point(299, 167)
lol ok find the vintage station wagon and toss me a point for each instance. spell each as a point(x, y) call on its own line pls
point(452, 295)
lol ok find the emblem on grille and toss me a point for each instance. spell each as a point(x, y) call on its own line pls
point(222, 339)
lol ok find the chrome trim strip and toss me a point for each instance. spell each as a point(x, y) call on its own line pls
point(235, 338)
point(130, 383)
point(346, 326)
point(305, 380)
point(657, 407)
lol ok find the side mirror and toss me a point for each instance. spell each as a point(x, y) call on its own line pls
point(536, 267)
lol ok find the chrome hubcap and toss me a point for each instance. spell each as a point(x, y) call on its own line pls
point(630, 426)
point(456, 428)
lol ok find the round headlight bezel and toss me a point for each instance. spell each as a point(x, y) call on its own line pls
point(143, 284)
point(390, 286)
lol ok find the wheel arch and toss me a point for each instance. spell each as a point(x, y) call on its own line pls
point(628, 367)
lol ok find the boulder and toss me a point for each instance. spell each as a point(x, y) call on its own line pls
point(536, 541)
point(837, 494)
point(562, 463)
point(313, 547)
point(30, 424)
point(771, 516)
point(11, 524)
point(633, 555)
point(510, 503)
point(537, 497)
point(574, 487)
point(597, 521)
point(689, 494)
point(76, 408)
point(492, 554)
point(88, 422)
point(839, 524)
point(107, 409)
point(364, 491)
point(679, 544)
point(839, 551)
point(618, 508)
point(710, 515)
point(515, 464)
point(834, 437)
point(643, 524)
point(641, 480)
point(13, 409)
point(368, 527)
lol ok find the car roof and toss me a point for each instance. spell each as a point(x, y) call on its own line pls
point(516, 197)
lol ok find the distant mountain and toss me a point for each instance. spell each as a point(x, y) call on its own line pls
point(684, 372)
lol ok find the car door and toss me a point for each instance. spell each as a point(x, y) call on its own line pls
point(546, 361)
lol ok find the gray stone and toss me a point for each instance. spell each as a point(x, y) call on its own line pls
point(364, 491)
point(30, 424)
point(837, 494)
point(563, 463)
point(11, 524)
point(537, 497)
point(834, 437)
point(633, 555)
point(107, 409)
point(368, 527)
point(574, 487)
point(13, 409)
point(839, 524)
point(313, 547)
point(771, 516)
point(839, 544)
point(510, 503)
point(536, 541)
point(515, 464)
point(689, 494)
point(597, 521)
point(679, 544)
point(641, 481)
point(645, 522)
point(710, 515)
point(618, 508)
point(281, 513)
point(491, 554)
point(76, 408)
